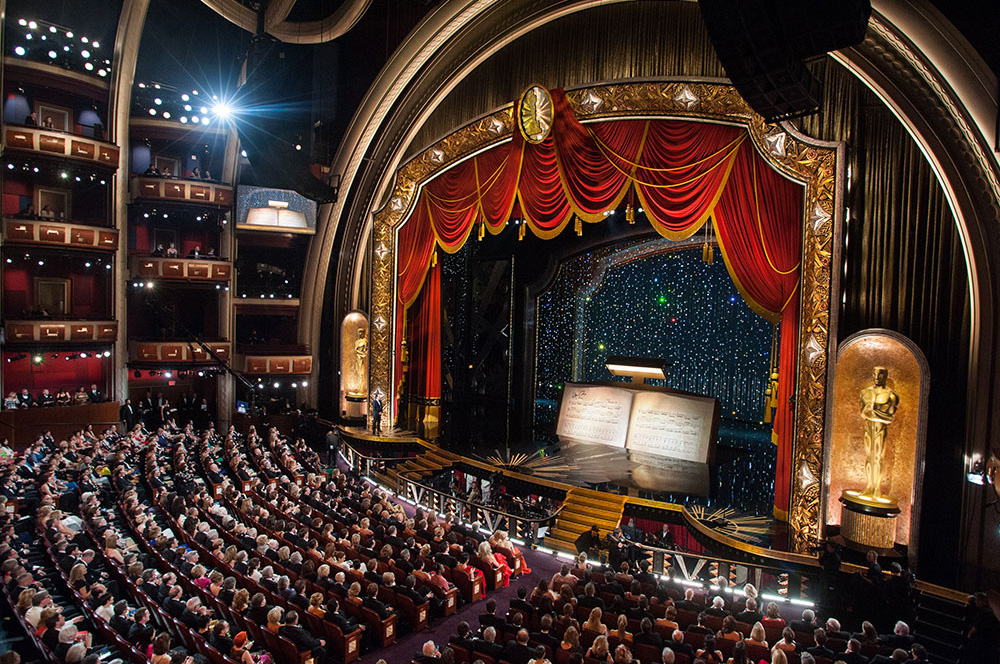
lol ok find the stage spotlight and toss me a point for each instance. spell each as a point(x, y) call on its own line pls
point(85, 53)
point(52, 54)
point(89, 66)
point(169, 374)
point(107, 353)
point(19, 50)
point(37, 359)
point(83, 355)
point(222, 110)
point(184, 119)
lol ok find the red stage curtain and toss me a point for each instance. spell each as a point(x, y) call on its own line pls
point(425, 339)
point(682, 173)
point(758, 220)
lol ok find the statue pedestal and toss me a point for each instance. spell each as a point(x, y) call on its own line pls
point(867, 521)
point(354, 406)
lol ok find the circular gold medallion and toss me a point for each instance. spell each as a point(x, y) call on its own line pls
point(534, 114)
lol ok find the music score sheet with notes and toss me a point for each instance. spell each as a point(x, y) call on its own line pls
point(675, 426)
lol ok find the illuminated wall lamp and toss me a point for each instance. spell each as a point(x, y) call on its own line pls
point(639, 369)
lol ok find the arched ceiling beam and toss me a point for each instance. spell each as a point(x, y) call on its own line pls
point(305, 32)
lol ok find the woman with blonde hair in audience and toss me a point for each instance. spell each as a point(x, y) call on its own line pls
point(199, 578)
point(275, 619)
point(78, 580)
point(354, 592)
point(215, 580)
point(111, 549)
point(599, 650)
point(316, 607)
point(571, 640)
point(623, 655)
point(621, 633)
point(594, 623)
point(489, 558)
point(758, 637)
point(241, 600)
point(25, 600)
point(779, 657)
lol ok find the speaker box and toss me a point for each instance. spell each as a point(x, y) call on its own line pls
point(763, 46)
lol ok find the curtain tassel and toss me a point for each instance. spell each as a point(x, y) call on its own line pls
point(578, 226)
point(520, 231)
point(434, 258)
point(481, 232)
point(630, 214)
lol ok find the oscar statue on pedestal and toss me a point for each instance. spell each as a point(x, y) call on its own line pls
point(878, 407)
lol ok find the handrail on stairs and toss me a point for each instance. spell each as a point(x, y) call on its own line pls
point(490, 519)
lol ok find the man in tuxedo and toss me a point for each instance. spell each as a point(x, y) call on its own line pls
point(173, 604)
point(126, 416)
point(141, 632)
point(428, 654)
point(750, 614)
point(900, 637)
point(853, 654)
point(820, 649)
point(96, 396)
point(302, 639)
point(544, 634)
point(490, 618)
point(463, 637)
point(807, 624)
point(647, 636)
point(688, 603)
point(679, 647)
point(375, 604)
point(517, 650)
point(833, 630)
point(590, 598)
point(488, 646)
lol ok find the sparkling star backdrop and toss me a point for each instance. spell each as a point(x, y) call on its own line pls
point(672, 306)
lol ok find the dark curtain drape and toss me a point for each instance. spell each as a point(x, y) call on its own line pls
point(682, 173)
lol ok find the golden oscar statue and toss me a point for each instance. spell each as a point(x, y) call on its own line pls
point(868, 517)
point(360, 364)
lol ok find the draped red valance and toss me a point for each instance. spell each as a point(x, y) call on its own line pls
point(680, 172)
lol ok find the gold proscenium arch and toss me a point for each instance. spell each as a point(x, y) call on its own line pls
point(818, 165)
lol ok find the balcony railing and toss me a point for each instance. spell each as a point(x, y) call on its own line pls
point(275, 364)
point(178, 352)
point(50, 330)
point(181, 191)
point(57, 233)
point(180, 269)
point(60, 144)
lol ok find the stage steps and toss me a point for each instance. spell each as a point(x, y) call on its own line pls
point(429, 461)
point(582, 509)
point(940, 625)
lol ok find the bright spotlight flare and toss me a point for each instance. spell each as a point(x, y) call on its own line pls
point(222, 110)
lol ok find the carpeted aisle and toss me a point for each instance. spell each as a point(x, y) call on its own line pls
point(542, 565)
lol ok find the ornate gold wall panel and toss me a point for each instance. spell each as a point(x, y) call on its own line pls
point(816, 164)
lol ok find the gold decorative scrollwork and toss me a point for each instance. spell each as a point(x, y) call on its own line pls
point(816, 164)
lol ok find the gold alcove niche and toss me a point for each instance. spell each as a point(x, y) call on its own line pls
point(354, 358)
point(859, 357)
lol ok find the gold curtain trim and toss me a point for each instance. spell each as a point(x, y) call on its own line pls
point(698, 223)
point(589, 217)
point(444, 202)
point(729, 157)
point(760, 227)
point(760, 310)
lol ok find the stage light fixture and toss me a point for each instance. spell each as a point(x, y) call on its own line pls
point(85, 53)
point(184, 119)
point(87, 264)
point(19, 50)
point(37, 359)
point(52, 54)
point(69, 34)
point(83, 355)
point(32, 25)
point(22, 22)
point(169, 374)
point(52, 29)
point(639, 369)
point(89, 66)
point(223, 110)
point(107, 353)
point(152, 111)
point(96, 45)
